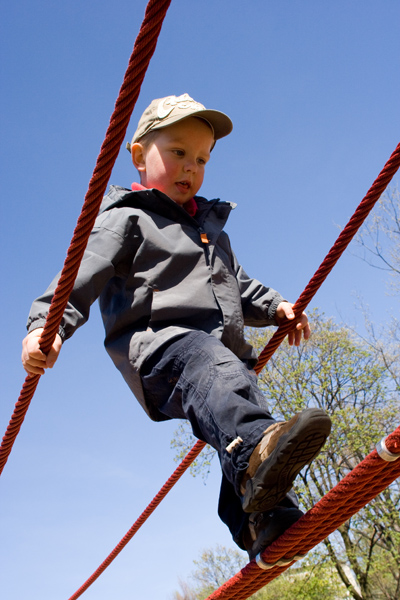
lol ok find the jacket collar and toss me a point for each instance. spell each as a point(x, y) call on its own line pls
point(190, 206)
point(159, 203)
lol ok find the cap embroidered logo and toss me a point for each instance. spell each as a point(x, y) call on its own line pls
point(184, 101)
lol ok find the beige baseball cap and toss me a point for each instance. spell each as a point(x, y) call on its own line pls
point(166, 111)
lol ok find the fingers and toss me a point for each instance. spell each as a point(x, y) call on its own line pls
point(302, 329)
point(285, 310)
point(33, 359)
point(54, 352)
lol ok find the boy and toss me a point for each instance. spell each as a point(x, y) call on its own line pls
point(174, 303)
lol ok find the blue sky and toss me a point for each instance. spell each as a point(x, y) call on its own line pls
point(312, 88)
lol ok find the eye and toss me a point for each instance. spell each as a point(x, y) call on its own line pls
point(179, 152)
point(201, 161)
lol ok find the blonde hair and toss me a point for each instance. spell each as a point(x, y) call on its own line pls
point(146, 142)
point(148, 138)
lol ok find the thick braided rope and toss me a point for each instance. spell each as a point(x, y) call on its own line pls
point(360, 486)
point(191, 456)
point(143, 50)
point(345, 237)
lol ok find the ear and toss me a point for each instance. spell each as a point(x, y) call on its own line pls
point(138, 156)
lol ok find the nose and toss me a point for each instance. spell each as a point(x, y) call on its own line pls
point(190, 165)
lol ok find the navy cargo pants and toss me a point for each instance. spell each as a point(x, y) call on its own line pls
point(196, 377)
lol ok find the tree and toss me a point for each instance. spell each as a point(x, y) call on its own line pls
point(353, 381)
point(378, 243)
point(212, 570)
point(379, 237)
point(313, 579)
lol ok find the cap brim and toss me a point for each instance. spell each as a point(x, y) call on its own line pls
point(220, 122)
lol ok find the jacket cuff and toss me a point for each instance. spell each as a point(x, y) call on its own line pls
point(38, 323)
point(273, 308)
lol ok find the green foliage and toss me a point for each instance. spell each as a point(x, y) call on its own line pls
point(313, 579)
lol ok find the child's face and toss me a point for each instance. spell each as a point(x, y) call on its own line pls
point(174, 162)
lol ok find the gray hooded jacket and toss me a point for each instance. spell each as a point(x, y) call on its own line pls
point(158, 272)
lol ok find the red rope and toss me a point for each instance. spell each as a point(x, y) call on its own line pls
point(361, 213)
point(143, 50)
point(187, 461)
point(359, 487)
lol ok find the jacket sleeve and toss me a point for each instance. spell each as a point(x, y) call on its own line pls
point(259, 303)
point(108, 254)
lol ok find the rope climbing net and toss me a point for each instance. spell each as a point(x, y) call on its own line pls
point(370, 477)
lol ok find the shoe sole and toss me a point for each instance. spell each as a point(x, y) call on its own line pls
point(295, 449)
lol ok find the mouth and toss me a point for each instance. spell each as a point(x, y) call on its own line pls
point(183, 186)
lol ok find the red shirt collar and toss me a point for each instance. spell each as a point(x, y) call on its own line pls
point(190, 206)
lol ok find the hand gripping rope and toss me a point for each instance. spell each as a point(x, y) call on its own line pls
point(301, 537)
point(143, 50)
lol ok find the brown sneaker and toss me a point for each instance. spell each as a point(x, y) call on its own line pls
point(277, 460)
point(263, 528)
